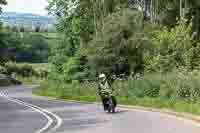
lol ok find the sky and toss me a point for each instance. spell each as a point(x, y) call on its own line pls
point(26, 6)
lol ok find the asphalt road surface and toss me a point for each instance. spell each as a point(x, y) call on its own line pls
point(20, 112)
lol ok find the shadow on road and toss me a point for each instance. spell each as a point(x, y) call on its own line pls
point(119, 112)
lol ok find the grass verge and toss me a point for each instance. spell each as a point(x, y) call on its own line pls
point(158, 103)
point(177, 91)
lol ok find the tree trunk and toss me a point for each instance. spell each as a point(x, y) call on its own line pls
point(198, 22)
point(153, 10)
point(181, 9)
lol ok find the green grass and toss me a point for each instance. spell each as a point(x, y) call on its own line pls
point(175, 91)
point(159, 103)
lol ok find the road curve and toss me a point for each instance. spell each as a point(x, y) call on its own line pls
point(53, 121)
point(73, 117)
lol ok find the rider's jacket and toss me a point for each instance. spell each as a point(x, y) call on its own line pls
point(104, 88)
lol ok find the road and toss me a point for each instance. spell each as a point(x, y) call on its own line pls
point(20, 112)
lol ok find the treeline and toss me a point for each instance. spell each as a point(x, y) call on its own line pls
point(37, 28)
point(156, 62)
point(23, 44)
point(108, 36)
point(23, 47)
point(26, 70)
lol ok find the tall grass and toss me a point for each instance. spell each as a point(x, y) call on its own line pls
point(176, 90)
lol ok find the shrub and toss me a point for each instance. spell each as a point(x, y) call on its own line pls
point(26, 70)
point(172, 85)
point(168, 85)
point(120, 49)
point(3, 70)
point(12, 67)
point(171, 48)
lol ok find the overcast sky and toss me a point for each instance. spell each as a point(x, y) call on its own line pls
point(26, 6)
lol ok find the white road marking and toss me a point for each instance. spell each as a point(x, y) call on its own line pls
point(42, 111)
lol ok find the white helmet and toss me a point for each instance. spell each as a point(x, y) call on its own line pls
point(102, 76)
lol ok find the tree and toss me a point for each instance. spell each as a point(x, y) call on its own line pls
point(120, 49)
point(2, 37)
point(38, 28)
point(75, 22)
point(195, 9)
point(2, 2)
point(79, 19)
point(15, 29)
point(21, 29)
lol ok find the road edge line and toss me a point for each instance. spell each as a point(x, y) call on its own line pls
point(193, 119)
point(40, 110)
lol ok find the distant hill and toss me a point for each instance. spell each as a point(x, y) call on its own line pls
point(26, 19)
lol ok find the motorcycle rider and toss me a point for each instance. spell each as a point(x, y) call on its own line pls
point(104, 87)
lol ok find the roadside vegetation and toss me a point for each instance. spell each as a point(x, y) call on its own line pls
point(24, 52)
point(175, 90)
point(155, 57)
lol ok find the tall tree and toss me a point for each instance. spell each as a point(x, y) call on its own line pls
point(2, 2)
point(2, 37)
point(195, 8)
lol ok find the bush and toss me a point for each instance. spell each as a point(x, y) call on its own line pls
point(189, 86)
point(170, 49)
point(145, 86)
point(12, 67)
point(168, 85)
point(28, 70)
point(173, 85)
point(3, 70)
point(24, 70)
point(120, 49)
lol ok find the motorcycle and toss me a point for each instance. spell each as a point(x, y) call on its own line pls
point(109, 102)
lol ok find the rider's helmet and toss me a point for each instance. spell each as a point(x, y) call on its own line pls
point(102, 76)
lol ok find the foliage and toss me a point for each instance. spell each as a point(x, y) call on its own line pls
point(34, 49)
point(171, 49)
point(24, 70)
point(119, 49)
point(3, 70)
point(105, 36)
point(177, 85)
point(23, 47)
point(28, 70)
point(116, 40)
point(178, 90)
point(79, 21)
point(2, 2)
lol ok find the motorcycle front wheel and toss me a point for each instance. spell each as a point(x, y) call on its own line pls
point(111, 108)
